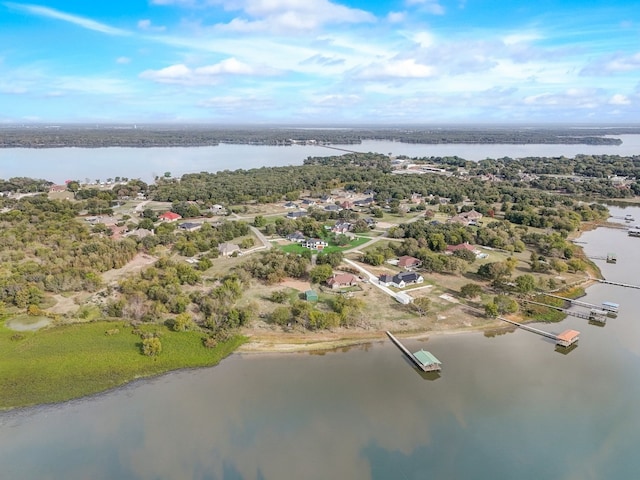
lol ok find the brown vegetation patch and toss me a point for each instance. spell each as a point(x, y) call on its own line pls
point(134, 266)
point(296, 284)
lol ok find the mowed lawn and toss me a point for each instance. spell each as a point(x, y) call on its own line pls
point(71, 361)
point(296, 248)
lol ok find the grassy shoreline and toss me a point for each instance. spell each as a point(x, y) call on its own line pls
point(73, 361)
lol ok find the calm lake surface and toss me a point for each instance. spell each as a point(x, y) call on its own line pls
point(506, 407)
point(60, 164)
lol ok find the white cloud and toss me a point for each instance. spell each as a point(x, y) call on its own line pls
point(396, 17)
point(123, 60)
point(516, 38)
point(424, 39)
point(407, 68)
point(587, 98)
point(66, 17)
point(289, 15)
point(429, 6)
point(207, 75)
point(337, 100)
point(146, 25)
point(619, 99)
point(613, 64)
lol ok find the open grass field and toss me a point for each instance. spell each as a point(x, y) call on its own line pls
point(298, 249)
point(71, 361)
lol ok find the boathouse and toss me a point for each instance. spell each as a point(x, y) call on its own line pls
point(599, 316)
point(567, 338)
point(428, 362)
point(610, 307)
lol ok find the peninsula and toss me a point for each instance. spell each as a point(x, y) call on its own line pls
point(106, 282)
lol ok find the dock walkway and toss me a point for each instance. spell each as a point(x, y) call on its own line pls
point(431, 367)
point(577, 303)
point(618, 284)
point(530, 329)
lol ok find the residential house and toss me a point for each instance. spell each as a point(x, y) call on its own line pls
point(190, 226)
point(342, 280)
point(218, 210)
point(364, 202)
point(297, 237)
point(290, 205)
point(347, 205)
point(385, 279)
point(307, 202)
point(298, 214)
point(417, 198)
point(169, 217)
point(342, 227)
point(314, 244)
point(371, 222)
point(462, 246)
point(57, 188)
point(333, 208)
point(227, 249)
point(140, 233)
point(403, 279)
point(407, 262)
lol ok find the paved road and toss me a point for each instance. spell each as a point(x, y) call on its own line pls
point(373, 280)
point(267, 244)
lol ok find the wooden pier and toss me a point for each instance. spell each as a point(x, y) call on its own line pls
point(596, 314)
point(565, 339)
point(530, 329)
point(572, 301)
point(424, 360)
point(618, 284)
point(609, 257)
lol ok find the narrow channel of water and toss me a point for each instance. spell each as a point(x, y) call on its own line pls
point(91, 164)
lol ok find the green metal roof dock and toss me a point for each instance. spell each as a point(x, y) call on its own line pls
point(427, 360)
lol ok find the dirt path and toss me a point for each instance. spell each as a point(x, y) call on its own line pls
point(138, 263)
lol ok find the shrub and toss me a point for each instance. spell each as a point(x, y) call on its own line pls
point(151, 347)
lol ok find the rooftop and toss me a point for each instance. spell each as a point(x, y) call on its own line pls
point(568, 335)
point(426, 358)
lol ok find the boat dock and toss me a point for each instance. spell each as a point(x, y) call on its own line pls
point(586, 316)
point(565, 339)
point(424, 360)
point(572, 301)
point(609, 257)
point(530, 329)
point(618, 284)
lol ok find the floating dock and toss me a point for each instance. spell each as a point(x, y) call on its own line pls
point(424, 360)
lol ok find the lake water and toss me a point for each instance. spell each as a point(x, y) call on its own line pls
point(506, 407)
point(60, 164)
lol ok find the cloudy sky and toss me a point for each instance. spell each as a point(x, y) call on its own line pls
point(320, 61)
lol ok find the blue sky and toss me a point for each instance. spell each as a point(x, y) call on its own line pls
point(320, 61)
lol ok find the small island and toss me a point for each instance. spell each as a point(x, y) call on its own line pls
point(109, 281)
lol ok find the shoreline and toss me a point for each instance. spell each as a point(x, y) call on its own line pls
point(328, 342)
